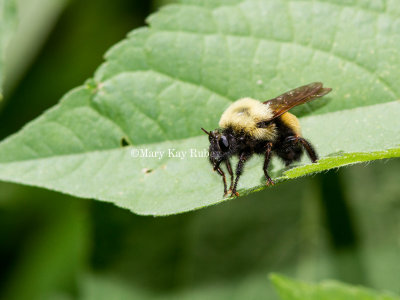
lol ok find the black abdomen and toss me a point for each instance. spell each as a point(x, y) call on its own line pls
point(286, 149)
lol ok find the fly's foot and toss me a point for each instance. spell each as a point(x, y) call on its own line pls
point(234, 193)
point(269, 182)
point(228, 193)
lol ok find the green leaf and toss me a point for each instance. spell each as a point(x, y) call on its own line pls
point(8, 16)
point(160, 85)
point(289, 289)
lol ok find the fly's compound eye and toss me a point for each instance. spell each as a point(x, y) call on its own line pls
point(223, 143)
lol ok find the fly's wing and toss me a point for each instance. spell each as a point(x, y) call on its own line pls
point(300, 95)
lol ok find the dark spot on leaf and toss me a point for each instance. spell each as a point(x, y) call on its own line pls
point(147, 171)
point(124, 142)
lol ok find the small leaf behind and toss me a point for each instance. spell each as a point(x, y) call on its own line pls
point(289, 289)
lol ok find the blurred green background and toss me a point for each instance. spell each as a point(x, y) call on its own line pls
point(343, 224)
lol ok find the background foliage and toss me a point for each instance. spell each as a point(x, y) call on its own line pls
point(342, 224)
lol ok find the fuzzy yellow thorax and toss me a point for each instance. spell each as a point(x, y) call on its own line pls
point(243, 116)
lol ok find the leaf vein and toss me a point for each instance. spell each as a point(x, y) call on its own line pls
point(291, 43)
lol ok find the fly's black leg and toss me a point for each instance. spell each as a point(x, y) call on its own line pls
point(266, 163)
point(239, 169)
point(229, 167)
point(310, 149)
point(306, 145)
point(223, 178)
